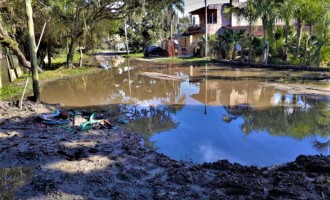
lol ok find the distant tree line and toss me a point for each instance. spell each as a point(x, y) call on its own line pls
point(83, 23)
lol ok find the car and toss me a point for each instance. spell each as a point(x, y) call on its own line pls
point(154, 51)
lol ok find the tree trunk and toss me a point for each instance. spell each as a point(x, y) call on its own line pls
point(299, 29)
point(172, 18)
point(234, 52)
point(250, 42)
point(242, 53)
point(266, 53)
point(286, 41)
point(126, 40)
point(305, 51)
point(81, 56)
point(33, 51)
point(72, 47)
point(49, 56)
point(264, 27)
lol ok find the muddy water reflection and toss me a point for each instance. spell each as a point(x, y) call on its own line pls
point(205, 113)
point(11, 179)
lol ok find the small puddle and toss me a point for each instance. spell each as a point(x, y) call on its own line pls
point(11, 179)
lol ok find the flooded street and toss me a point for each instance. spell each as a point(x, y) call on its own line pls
point(205, 113)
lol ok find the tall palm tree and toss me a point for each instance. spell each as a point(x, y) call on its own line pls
point(285, 10)
point(267, 11)
point(174, 6)
point(303, 10)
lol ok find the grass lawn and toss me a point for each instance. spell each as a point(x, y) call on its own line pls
point(134, 55)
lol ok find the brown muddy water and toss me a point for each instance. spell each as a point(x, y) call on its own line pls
point(205, 113)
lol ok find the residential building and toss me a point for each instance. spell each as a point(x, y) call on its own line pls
point(216, 21)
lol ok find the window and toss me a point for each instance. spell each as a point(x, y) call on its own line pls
point(212, 18)
point(183, 42)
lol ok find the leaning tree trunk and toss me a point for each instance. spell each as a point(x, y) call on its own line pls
point(7, 41)
point(33, 51)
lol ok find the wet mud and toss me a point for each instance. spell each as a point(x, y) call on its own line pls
point(59, 162)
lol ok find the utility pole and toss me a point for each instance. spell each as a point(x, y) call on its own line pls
point(33, 51)
point(179, 40)
point(206, 48)
point(126, 40)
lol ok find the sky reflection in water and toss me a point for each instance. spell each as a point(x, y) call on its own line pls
point(211, 113)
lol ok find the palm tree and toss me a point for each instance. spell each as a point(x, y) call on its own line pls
point(303, 10)
point(233, 37)
point(267, 11)
point(246, 11)
point(285, 11)
point(174, 6)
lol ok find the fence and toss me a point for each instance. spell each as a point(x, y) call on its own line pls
point(9, 67)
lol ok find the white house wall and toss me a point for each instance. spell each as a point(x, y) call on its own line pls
point(243, 22)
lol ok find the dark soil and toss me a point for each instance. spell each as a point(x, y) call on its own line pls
point(58, 162)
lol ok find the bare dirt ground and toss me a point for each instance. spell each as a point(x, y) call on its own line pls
point(302, 89)
point(56, 162)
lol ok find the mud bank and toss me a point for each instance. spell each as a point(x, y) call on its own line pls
point(58, 162)
point(273, 66)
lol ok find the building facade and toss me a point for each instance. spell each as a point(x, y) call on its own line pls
point(216, 21)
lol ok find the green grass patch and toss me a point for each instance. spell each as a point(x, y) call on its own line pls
point(134, 55)
point(63, 72)
point(11, 91)
point(60, 60)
